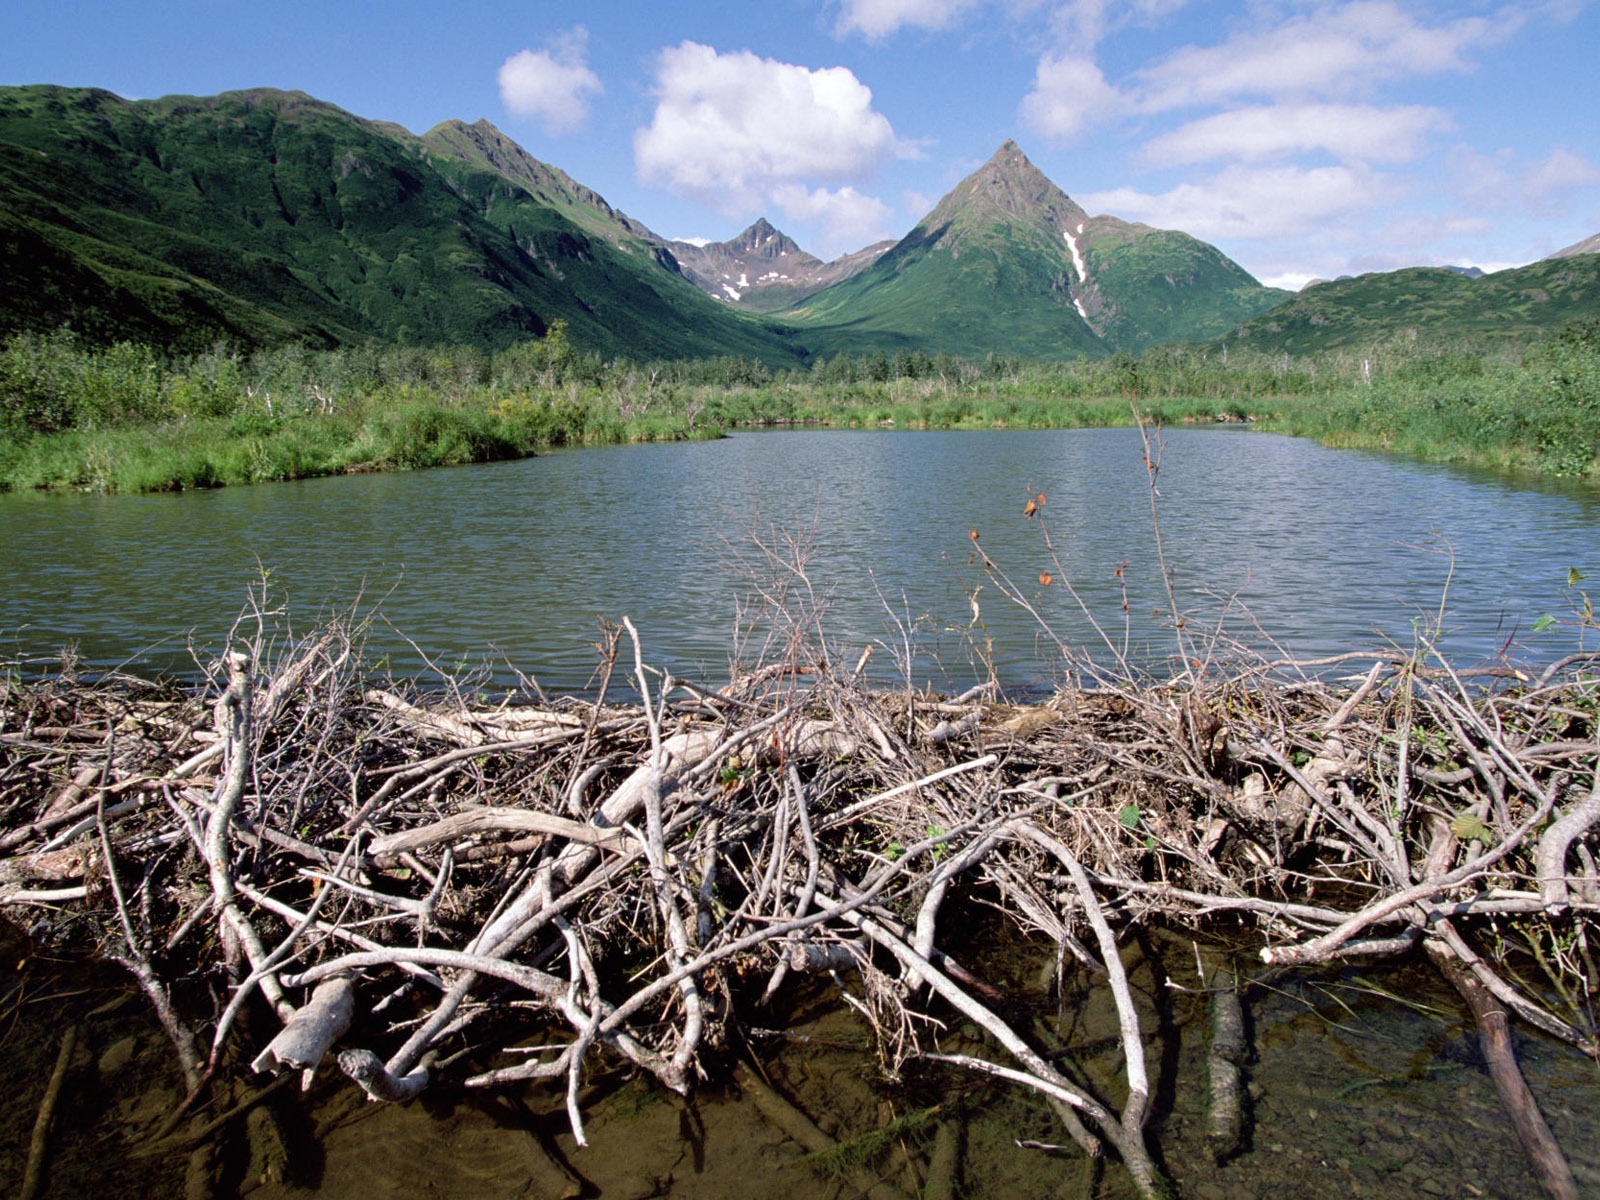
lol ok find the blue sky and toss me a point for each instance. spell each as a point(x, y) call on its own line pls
point(1305, 139)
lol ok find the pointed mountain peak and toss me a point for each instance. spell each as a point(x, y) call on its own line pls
point(765, 240)
point(1008, 190)
point(1009, 155)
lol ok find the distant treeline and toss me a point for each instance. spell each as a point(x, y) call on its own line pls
point(128, 417)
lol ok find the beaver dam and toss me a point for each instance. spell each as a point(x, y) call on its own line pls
point(798, 934)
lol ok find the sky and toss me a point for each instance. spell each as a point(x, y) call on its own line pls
point(1305, 139)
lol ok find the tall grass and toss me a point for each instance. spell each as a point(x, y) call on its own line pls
point(122, 419)
point(126, 418)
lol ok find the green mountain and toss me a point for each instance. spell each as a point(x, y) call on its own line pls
point(266, 216)
point(1008, 263)
point(1435, 303)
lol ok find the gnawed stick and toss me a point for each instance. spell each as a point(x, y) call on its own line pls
point(1494, 1035)
point(1224, 1060)
point(33, 1174)
point(314, 1027)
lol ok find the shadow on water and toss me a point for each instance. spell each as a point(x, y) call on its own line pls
point(1362, 1084)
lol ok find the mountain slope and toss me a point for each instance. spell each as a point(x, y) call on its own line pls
point(761, 270)
point(764, 270)
point(1431, 302)
point(1008, 263)
point(265, 216)
point(1589, 245)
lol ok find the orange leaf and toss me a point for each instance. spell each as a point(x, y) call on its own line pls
point(973, 534)
point(1046, 578)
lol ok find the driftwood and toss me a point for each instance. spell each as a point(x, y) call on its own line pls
point(390, 874)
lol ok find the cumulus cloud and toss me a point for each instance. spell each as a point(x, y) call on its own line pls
point(845, 218)
point(1069, 94)
point(879, 18)
point(1347, 131)
point(553, 85)
point(731, 129)
point(1243, 203)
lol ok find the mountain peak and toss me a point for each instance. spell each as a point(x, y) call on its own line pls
point(765, 241)
point(1007, 189)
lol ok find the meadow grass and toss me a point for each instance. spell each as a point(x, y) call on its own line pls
point(126, 419)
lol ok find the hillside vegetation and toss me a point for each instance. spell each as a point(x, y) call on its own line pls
point(1429, 304)
point(1008, 263)
point(266, 217)
point(130, 418)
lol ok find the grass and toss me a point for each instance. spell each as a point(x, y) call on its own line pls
point(125, 418)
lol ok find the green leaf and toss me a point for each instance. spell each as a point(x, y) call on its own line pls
point(1574, 576)
point(1469, 827)
point(1129, 816)
point(1543, 623)
point(894, 851)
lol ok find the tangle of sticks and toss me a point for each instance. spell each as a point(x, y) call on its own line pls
point(296, 861)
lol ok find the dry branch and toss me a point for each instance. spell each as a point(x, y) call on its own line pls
point(571, 883)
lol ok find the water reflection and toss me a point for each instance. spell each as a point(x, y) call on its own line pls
point(1324, 550)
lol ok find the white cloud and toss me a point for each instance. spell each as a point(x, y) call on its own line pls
point(552, 86)
point(1560, 171)
point(729, 129)
point(1348, 131)
point(1336, 50)
point(1069, 94)
point(1503, 182)
point(1293, 280)
point(846, 219)
point(1083, 24)
point(879, 18)
point(1243, 203)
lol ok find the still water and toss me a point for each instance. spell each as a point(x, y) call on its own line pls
point(514, 564)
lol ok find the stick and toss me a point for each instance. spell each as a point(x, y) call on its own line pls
point(1225, 1057)
point(1494, 1034)
point(33, 1175)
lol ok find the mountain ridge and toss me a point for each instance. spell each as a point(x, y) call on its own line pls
point(1007, 262)
point(265, 216)
point(1432, 302)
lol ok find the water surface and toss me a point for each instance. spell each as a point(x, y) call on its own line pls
point(1314, 550)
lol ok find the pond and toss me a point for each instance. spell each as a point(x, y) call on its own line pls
point(1281, 541)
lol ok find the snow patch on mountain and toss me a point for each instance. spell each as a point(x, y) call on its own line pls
point(1077, 263)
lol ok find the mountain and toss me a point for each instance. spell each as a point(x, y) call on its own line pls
point(1008, 263)
point(1432, 302)
point(763, 270)
point(266, 216)
point(1589, 245)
